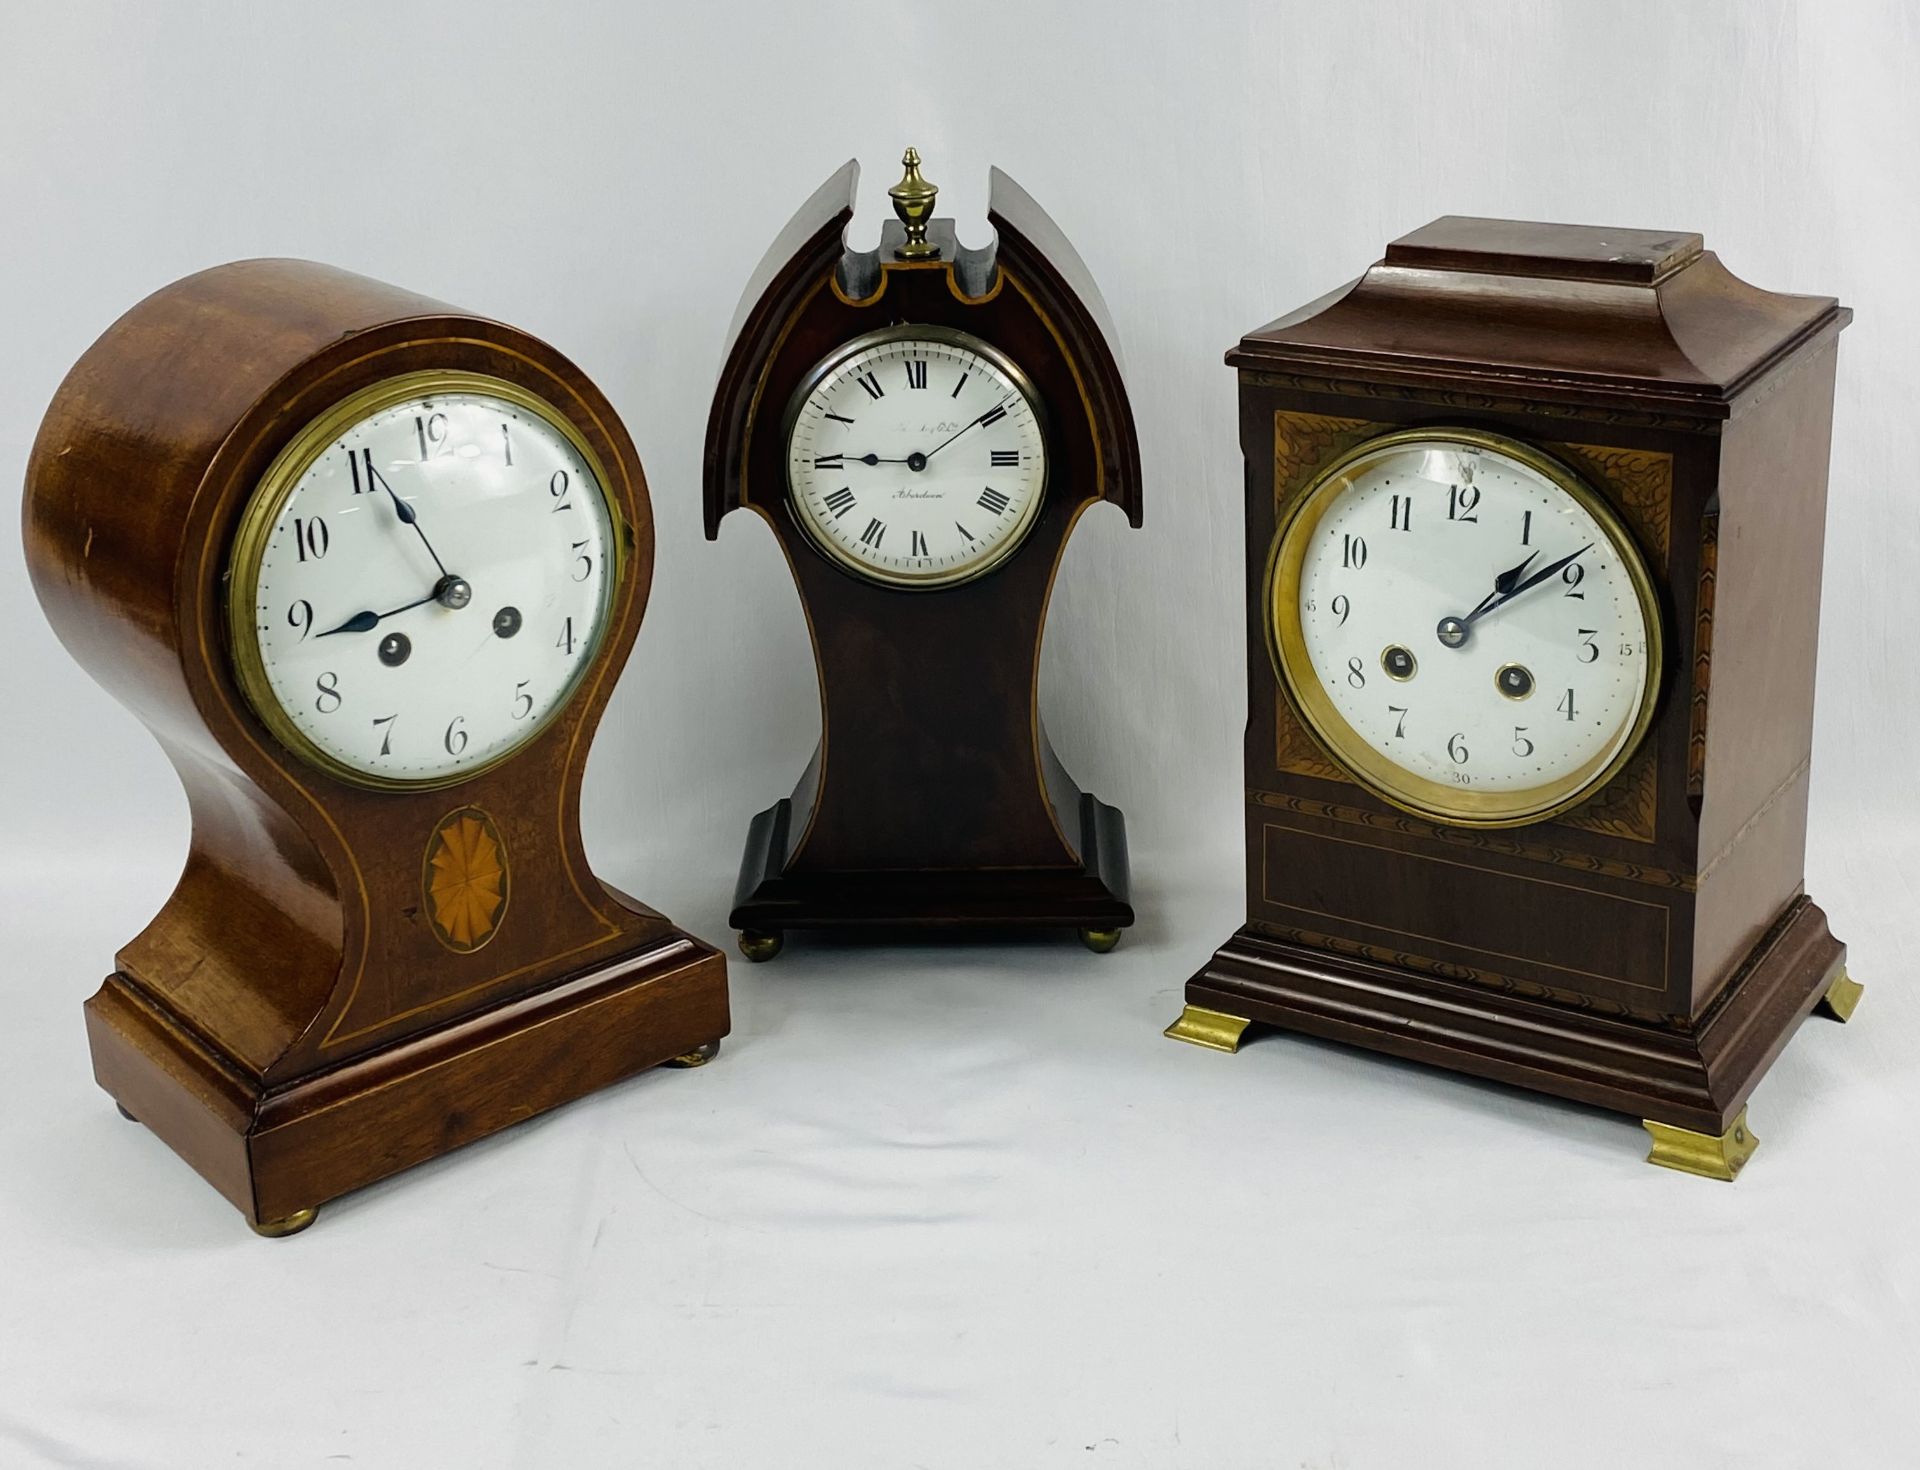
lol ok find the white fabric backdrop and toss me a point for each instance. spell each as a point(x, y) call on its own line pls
point(961, 1208)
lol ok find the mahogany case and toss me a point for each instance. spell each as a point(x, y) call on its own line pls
point(1652, 949)
point(934, 796)
point(289, 1022)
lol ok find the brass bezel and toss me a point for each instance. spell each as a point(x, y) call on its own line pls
point(916, 332)
point(1286, 645)
point(269, 499)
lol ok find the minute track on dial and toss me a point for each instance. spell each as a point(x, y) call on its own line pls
point(462, 687)
point(1515, 716)
point(885, 484)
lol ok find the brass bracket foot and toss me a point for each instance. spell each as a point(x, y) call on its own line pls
point(289, 1225)
point(1214, 1029)
point(760, 947)
point(1841, 997)
point(1100, 941)
point(1709, 1155)
point(698, 1057)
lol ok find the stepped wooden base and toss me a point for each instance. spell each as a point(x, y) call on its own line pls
point(1694, 1081)
point(1091, 899)
point(279, 1154)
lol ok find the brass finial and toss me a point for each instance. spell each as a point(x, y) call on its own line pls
point(913, 200)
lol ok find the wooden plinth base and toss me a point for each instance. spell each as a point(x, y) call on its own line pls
point(1093, 897)
point(1696, 1079)
point(278, 1154)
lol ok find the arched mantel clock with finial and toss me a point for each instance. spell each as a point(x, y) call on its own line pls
point(367, 566)
point(921, 425)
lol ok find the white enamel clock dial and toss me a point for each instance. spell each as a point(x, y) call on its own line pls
point(422, 579)
point(916, 457)
point(1466, 626)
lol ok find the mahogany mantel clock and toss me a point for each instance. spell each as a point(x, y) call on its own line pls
point(921, 425)
point(1534, 529)
point(367, 567)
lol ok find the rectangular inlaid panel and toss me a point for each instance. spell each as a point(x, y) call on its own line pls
point(1637, 483)
point(1554, 933)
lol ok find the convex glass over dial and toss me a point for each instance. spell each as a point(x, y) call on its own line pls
point(421, 579)
point(916, 457)
point(1465, 625)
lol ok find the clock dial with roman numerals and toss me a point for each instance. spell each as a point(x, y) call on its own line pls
point(916, 457)
point(1466, 625)
point(422, 580)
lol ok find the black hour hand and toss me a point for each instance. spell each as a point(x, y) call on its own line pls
point(1551, 569)
point(360, 622)
point(365, 622)
point(1502, 586)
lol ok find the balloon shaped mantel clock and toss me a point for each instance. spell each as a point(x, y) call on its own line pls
point(921, 425)
point(367, 567)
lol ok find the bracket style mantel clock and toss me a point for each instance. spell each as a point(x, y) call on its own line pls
point(1534, 528)
point(921, 425)
point(367, 566)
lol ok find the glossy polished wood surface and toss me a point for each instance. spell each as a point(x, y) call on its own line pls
point(935, 796)
point(1652, 948)
point(295, 942)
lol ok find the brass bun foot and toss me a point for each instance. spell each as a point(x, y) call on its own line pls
point(1214, 1029)
point(1100, 941)
point(1841, 997)
point(288, 1225)
point(760, 947)
point(698, 1057)
point(125, 1114)
point(1711, 1156)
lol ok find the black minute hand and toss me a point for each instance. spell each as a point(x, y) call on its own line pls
point(998, 411)
point(1551, 569)
point(408, 516)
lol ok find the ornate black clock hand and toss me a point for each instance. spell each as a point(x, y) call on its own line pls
point(1502, 587)
point(871, 459)
point(1551, 569)
point(408, 517)
point(1454, 631)
point(998, 411)
point(363, 622)
point(449, 591)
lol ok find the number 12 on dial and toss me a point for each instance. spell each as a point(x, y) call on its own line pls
point(1465, 625)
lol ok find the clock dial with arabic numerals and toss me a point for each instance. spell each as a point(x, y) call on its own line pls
point(916, 457)
point(1466, 626)
point(423, 578)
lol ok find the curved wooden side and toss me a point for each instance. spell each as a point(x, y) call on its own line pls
point(933, 757)
point(295, 943)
